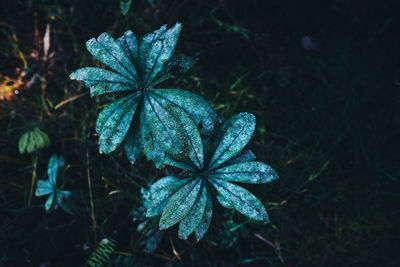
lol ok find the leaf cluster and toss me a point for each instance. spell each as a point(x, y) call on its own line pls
point(173, 127)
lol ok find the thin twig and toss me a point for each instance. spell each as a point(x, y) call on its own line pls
point(91, 196)
point(35, 160)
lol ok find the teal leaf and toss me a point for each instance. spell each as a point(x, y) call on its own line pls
point(49, 202)
point(109, 52)
point(237, 133)
point(189, 130)
point(195, 216)
point(241, 199)
point(180, 204)
point(101, 81)
point(224, 202)
point(125, 6)
point(245, 156)
point(145, 46)
point(129, 44)
point(43, 188)
point(114, 121)
point(203, 226)
point(133, 143)
point(197, 107)
point(177, 65)
point(181, 164)
point(253, 172)
point(55, 163)
point(161, 192)
point(165, 128)
point(161, 50)
point(62, 196)
point(152, 148)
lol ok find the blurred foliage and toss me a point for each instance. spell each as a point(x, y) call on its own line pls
point(327, 122)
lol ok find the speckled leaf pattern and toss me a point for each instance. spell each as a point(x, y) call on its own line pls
point(245, 156)
point(203, 226)
point(197, 107)
point(152, 149)
point(169, 126)
point(241, 199)
point(31, 140)
point(224, 202)
point(133, 144)
point(109, 52)
point(180, 204)
point(114, 121)
point(181, 164)
point(101, 81)
point(195, 216)
point(252, 172)
point(189, 130)
point(239, 130)
point(161, 50)
point(129, 44)
point(161, 192)
point(165, 128)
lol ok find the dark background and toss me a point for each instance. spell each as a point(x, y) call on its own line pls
point(322, 78)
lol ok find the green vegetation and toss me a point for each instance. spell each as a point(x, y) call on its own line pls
point(321, 78)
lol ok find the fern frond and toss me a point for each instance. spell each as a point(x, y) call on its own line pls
point(102, 254)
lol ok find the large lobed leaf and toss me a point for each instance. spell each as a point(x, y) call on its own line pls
point(234, 135)
point(114, 121)
point(167, 126)
point(189, 201)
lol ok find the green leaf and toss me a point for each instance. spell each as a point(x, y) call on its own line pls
point(114, 121)
point(133, 144)
point(109, 52)
point(55, 163)
point(195, 216)
point(180, 204)
point(253, 172)
point(101, 81)
point(241, 199)
point(125, 6)
point(237, 133)
point(197, 107)
point(161, 50)
point(31, 140)
point(202, 228)
point(23, 142)
point(161, 191)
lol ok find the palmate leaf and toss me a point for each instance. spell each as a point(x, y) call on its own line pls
point(189, 201)
point(163, 122)
point(49, 187)
point(31, 140)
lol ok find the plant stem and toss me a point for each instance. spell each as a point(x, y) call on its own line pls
point(35, 160)
point(91, 197)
